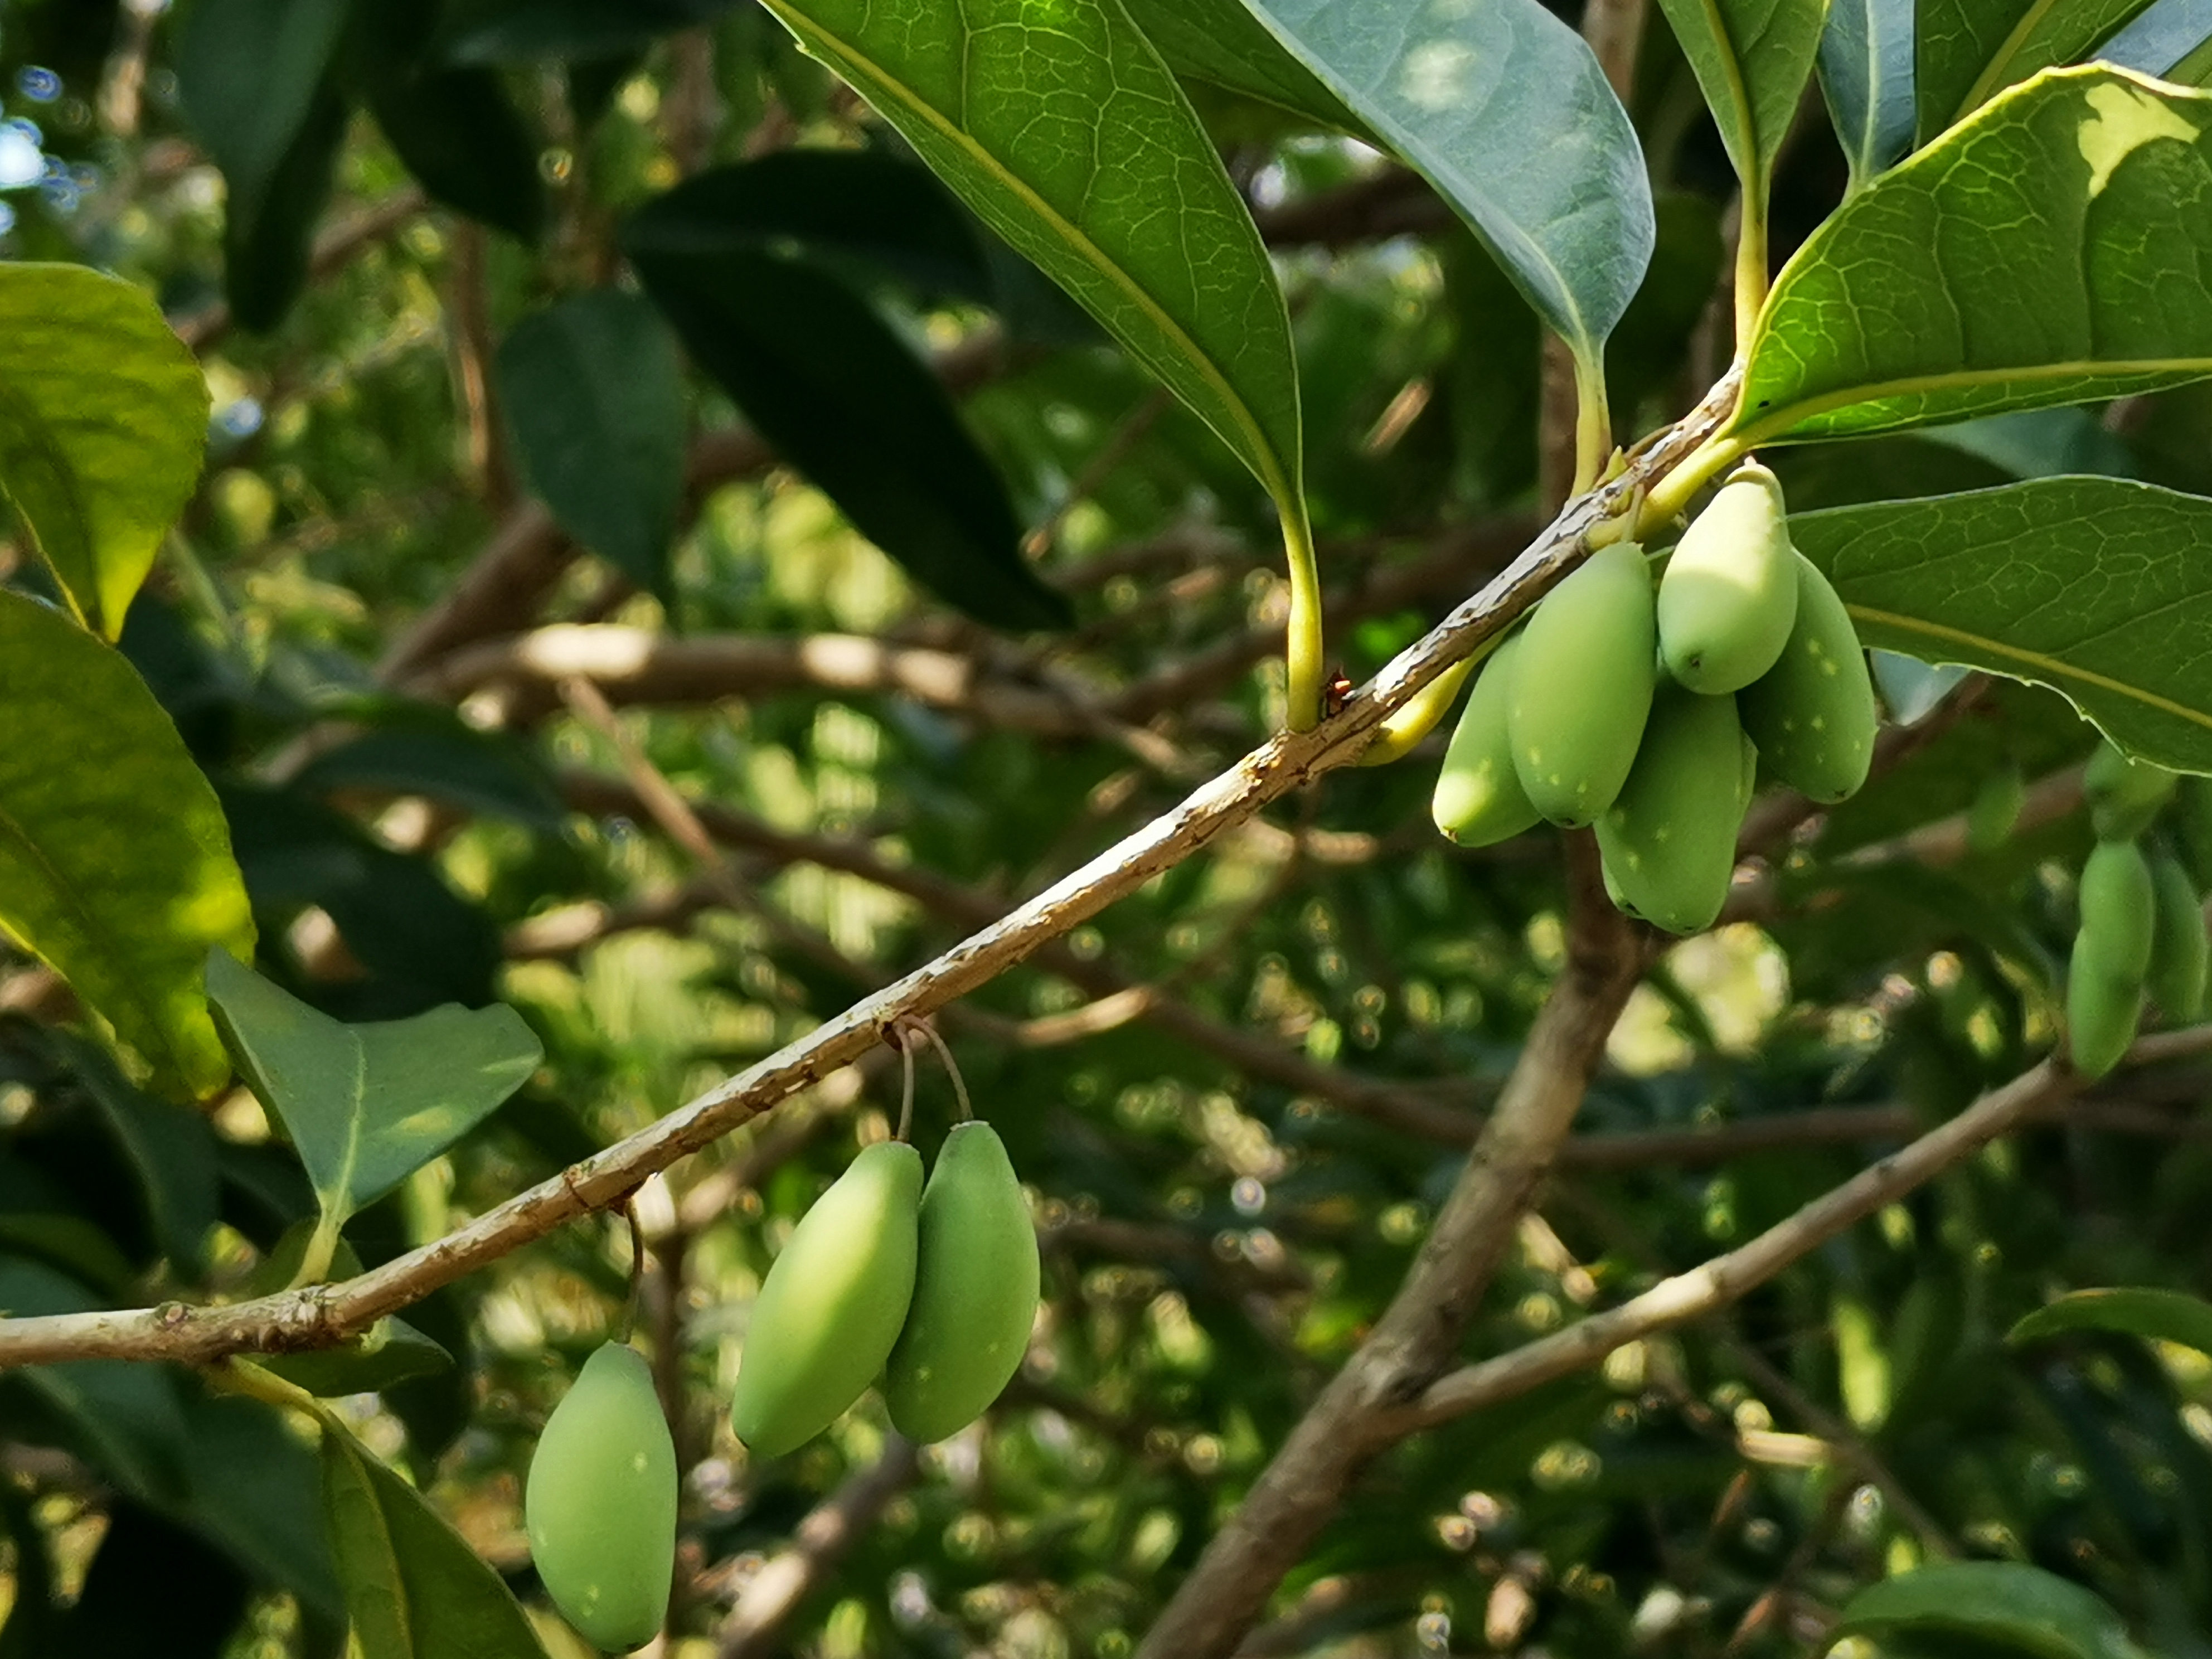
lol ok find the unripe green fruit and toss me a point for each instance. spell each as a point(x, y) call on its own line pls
point(2118, 907)
point(2180, 951)
point(975, 1290)
point(2192, 819)
point(1479, 797)
point(831, 1306)
point(1729, 596)
point(1581, 686)
point(2124, 795)
point(1812, 714)
point(1995, 809)
point(2103, 1009)
point(1668, 842)
point(601, 1501)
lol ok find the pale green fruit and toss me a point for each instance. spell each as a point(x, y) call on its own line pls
point(1479, 797)
point(1995, 809)
point(833, 1304)
point(1668, 841)
point(2112, 955)
point(599, 1504)
point(2123, 795)
point(975, 1290)
point(1581, 686)
point(1729, 596)
point(2179, 949)
point(1812, 714)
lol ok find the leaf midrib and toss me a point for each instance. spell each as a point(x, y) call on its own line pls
point(1780, 421)
point(339, 1201)
point(1273, 476)
point(1992, 77)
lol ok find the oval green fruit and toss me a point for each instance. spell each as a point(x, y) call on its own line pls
point(1478, 798)
point(2123, 795)
point(1995, 809)
point(975, 1290)
point(1668, 842)
point(2103, 1008)
point(1729, 596)
point(599, 1504)
point(2119, 908)
point(2180, 951)
point(831, 1306)
point(1812, 714)
point(1581, 686)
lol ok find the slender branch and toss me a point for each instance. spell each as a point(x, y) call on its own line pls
point(320, 1315)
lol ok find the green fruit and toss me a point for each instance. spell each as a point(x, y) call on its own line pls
point(2123, 795)
point(1995, 809)
point(2179, 950)
point(1729, 596)
point(2103, 1009)
point(832, 1305)
point(1812, 714)
point(1668, 842)
point(1581, 686)
point(2192, 819)
point(601, 1501)
point(2112, 954)
point(1479, 797)
point(975, 1290)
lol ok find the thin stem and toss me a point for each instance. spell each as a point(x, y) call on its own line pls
point(959, 1083)
point(628, 1324)
point(322, 1245)
point(1671, 495)
point(906, 1087)
point(1304, 653)
point(1398, 737)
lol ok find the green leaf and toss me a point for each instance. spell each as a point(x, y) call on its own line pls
point(115, 862)
point(366, 1105)
point(1074, 143)
point(103, 416)
point(513, 31)
point(169, 1147)
point(826, 381)
point(1971, 50)
point(2005, 1603)
point(2078, 584)
point(1866, 76)
point(2042, 253)
point(268, 243)
point(1752, 58)
point(425, 749)
point(247, 76)
point(413, 1587)
point(2161, 39)
point(456, 129)
point(254, 1488)
point(1503, 109)
point(593, 395)
point(2164, 1315)
point(1219, 42)
point(390, 1351)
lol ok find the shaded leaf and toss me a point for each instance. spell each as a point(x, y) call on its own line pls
point(1752, 58)
point(252, 1488)
point(170, 1149)
point(1075, 144)
point(2071, 583)
point(390, 1350)
point(155, 1587)
point(103, 416)
point(509, 31)
point(2164, 1315)
point(593, 395)
point(115, 862)
point(1503, 108)
point(413, 1587)
point(1219, 42)
point(366, 1105)
point(248, 72)
point(1971, 50)
point(2005, 1603)
point(826, 381)
point(428, 750)
point(267, 243)
point(2038, 255)
point(1866, 76)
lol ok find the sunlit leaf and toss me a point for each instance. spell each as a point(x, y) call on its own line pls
point(1866, 74)
point(1221, 42)
point(1971, 50)
point(1752, 58)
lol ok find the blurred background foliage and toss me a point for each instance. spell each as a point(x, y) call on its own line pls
point(1237, 1096)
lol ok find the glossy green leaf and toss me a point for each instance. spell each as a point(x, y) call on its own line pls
point(1074, 143)
point(593, 395)
point(2043, 253)
point(247, 75)
point(455, 128)
point(1866, 76)
point(414, 1589)
point(2164, 1315)
point(115, 862)
point(842, 398)
point(1971, 50)
point(103, 415)
point(2007, 1603)
point(2078, 584)
point(1219, 42)
point(1503, 109)
point(366, 1105)
point(1752, 58)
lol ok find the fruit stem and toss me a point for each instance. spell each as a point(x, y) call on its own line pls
point(959, 1083)
point(623, 1332)
point(1672, 495)
point(906, 1088)
point(1304, 650)
point(1397, 736)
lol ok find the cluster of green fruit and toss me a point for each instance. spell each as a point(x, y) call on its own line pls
point(2141, 932)
point(934, 1289)
point(1650, 715)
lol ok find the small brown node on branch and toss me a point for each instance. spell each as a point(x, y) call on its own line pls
point(171, 1315)
point(1335, 693)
